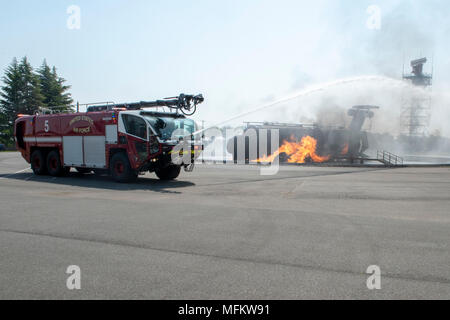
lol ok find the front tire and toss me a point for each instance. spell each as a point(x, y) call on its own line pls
point(168, 173)
point(54, 166)
point(120, 168)
point(38, 164)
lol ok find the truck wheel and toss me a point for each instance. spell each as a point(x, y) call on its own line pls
point(54, 166)
point(168, 173)
point(83, 170)
point(120, 168)
point(38, 164)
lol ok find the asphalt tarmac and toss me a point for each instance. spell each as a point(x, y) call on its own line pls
point(226, 232)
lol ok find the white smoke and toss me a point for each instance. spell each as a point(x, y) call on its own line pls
point(327, 104)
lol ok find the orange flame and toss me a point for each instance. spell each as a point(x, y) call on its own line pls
point(297, 151)
point(345, 150)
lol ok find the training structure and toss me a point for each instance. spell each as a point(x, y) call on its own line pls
point(121, 139)
point(302, 143)
point(416, 107)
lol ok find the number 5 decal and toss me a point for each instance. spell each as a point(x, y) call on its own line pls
point(46, 126)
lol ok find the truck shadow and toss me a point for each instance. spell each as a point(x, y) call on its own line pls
point(104, 182)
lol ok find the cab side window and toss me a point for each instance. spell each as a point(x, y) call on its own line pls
point(135, 126)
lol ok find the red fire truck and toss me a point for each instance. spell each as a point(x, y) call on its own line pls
point(122, 139)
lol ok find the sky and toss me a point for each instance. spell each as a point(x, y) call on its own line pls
point(238, 54)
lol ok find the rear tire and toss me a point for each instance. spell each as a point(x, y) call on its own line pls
point(120, 168)
point(38, 164)
point(168, 173)
point(54, 166)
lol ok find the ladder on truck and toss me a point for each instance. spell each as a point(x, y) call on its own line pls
point(389, 159)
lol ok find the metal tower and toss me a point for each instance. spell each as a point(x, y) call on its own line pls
point(416, 107)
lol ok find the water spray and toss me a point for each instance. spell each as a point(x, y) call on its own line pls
point(305, 92)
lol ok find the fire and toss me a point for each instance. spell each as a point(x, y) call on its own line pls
point(345, 150)
point(297, 152)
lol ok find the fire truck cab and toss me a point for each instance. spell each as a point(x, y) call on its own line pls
point(110, 139)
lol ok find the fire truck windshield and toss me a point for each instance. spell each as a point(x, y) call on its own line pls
point(166, 127)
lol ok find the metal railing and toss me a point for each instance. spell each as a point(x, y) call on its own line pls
point(69, 108)
point(279, 124)
point(389, 158)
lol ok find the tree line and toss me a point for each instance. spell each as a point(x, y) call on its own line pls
point(26, 91)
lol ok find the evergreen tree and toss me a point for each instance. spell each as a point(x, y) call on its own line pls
point(19, 94)
point(24, 91)
point(11, 93)
point(47, 83)
point(53, 89)
point(31, 97)
point(6, 131)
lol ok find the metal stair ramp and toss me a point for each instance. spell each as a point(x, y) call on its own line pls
point(389, 159)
